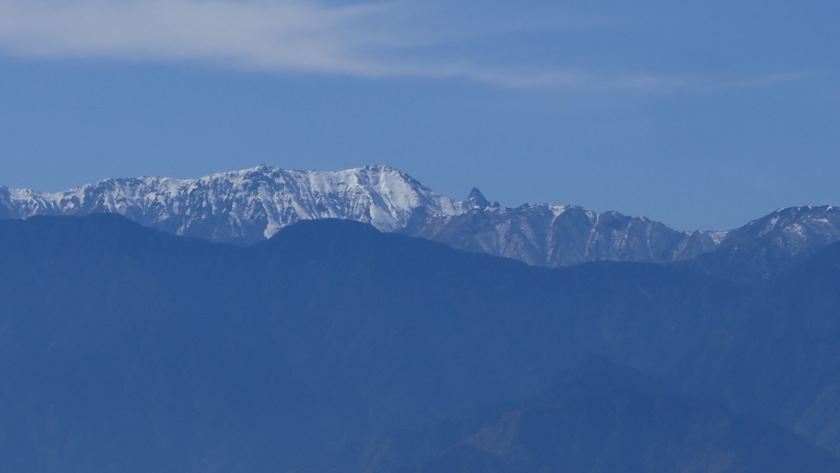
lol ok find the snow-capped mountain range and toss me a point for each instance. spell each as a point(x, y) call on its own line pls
point(245, 207)
point(242, 207)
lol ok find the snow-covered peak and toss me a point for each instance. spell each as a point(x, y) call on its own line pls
point(791, 220)
point(248, 205)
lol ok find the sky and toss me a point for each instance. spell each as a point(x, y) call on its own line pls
point(697, 114)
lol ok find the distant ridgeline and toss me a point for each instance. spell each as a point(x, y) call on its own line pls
point(246, 207)
point(333, 347)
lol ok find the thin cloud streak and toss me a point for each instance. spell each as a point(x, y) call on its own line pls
point(278, 35)
point(367, 40)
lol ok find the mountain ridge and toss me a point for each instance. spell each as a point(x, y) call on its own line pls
point(248, 206)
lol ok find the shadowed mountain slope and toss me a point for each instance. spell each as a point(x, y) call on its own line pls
point(600, 419)
point(597, 417)
point(175, 354)
point(127, 349)
point(780, 355)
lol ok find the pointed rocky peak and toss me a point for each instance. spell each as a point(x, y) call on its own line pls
point(477, 200)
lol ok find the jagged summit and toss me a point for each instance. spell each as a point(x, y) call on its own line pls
point(477, 200)
point(250, 205)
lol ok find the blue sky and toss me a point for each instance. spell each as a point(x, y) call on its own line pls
point(697, 114)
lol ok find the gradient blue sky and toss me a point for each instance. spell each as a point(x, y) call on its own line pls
point(697, 114)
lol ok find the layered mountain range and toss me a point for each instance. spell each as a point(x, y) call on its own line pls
point(335, 348)
point(245, 207)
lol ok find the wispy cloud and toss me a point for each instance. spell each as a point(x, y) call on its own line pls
point(285, 35)
point(379, 39)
